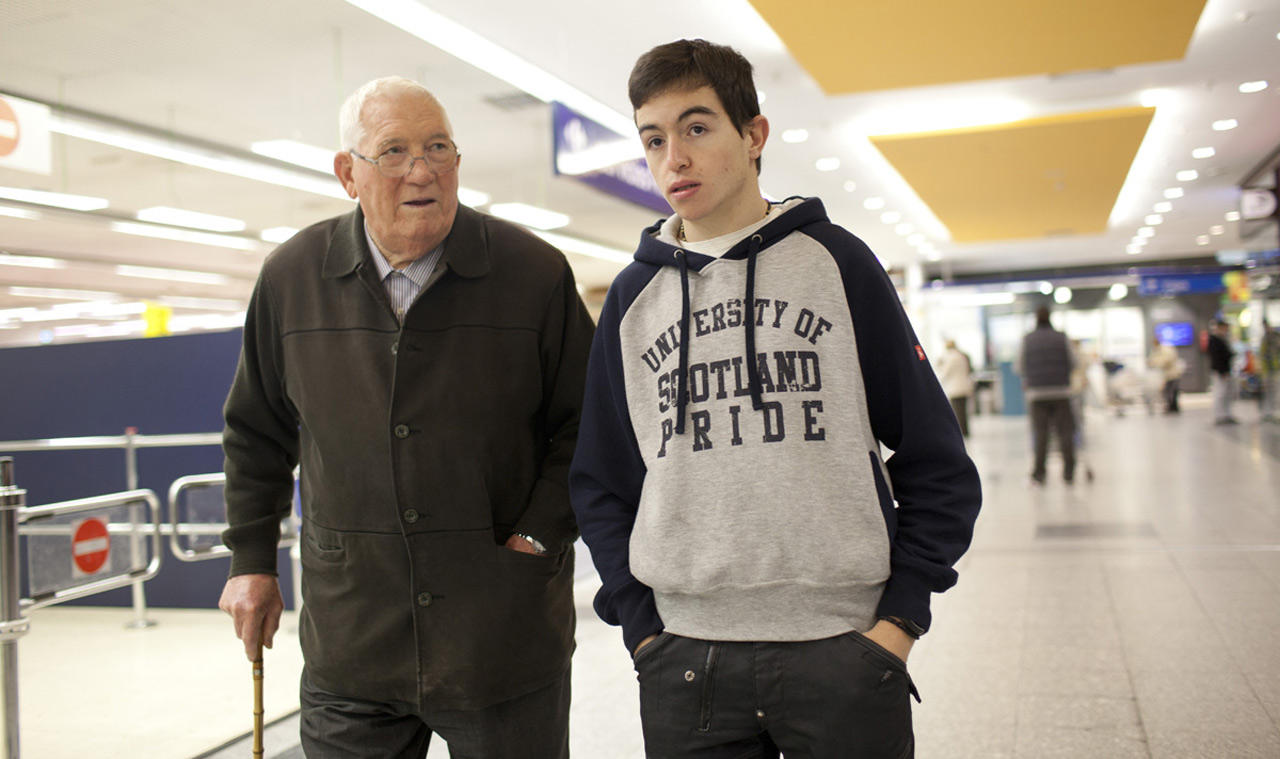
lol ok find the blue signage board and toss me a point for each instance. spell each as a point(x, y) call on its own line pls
point(583, 148)
point(1180, 284)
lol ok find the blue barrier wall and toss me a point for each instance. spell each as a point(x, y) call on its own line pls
point(161, 386)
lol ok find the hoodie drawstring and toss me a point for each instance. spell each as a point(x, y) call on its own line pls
point(749, 306)
point(682, 389)
point(749, 313)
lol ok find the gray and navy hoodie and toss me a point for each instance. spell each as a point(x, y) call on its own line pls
point(729, 479)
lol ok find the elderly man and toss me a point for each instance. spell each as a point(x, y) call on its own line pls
point(424, 365)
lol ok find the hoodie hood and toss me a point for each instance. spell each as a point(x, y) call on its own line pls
point(659, 246)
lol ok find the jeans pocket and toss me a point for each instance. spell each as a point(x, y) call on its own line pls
point(646, 652)
point(891, 666)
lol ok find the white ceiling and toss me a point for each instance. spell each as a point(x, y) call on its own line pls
point(235, 72)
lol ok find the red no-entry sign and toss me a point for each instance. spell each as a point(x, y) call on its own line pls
point(90, 546)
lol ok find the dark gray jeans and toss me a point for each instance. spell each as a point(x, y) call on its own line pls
point(533, 725)
point(1055, 414)
point(840, 697)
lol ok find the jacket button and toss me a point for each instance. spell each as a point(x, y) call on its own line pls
point(402, 431)
point(411, 516)
point(424, 599)
point(394, 347)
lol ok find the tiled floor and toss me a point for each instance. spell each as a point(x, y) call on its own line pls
point(1132, 616)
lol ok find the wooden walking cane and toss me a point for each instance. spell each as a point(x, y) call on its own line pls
point(257, 700)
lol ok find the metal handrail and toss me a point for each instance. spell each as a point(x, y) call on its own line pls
point(178, 529)
point(126, 498)
point(129, 442)
point(112, 441)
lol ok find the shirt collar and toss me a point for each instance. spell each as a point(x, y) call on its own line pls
point(418, 271)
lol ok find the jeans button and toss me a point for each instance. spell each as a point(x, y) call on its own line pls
point(402, 431)
point(411, 516)
point(424, 599)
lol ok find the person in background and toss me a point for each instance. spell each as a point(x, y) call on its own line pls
point(955, 372)
point(423, 363)
point(1269, 360)
point(1220, 354)
point(1046, 363)
point(770, 570)
point(1164, 358)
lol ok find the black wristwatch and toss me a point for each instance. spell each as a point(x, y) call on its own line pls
point(906, 625)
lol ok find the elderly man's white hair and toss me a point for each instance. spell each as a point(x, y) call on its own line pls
point(351, 129)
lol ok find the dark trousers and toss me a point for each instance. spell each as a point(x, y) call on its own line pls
point(961, 408)
point(1171, 396)
point(839, 697)
point(1053, 413)
point(532, 725)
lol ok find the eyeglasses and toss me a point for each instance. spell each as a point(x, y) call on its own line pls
point(397, 162)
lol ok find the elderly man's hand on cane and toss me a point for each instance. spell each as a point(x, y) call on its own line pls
point(255, 605)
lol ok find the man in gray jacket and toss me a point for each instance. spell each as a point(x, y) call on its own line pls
point(1045, 364)
point(423, 364)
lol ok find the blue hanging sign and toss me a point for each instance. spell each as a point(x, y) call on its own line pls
point(598, 156)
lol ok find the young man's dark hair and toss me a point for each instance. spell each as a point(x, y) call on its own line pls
point(690, 64)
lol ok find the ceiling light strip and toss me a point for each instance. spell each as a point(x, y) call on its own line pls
point(466, 45)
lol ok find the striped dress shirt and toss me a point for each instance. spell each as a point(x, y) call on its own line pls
point(403, 285)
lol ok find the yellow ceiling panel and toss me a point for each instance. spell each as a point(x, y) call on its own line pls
point(1043, 177)
point(859, 46)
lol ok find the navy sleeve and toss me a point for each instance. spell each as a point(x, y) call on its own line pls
point(607, 476)
point(935, 483)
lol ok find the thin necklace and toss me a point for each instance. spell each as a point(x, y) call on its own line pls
point(680, 233)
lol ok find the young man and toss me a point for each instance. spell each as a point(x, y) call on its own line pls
point(746, 371)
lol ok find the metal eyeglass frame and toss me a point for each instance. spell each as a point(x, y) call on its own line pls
point(413, 159)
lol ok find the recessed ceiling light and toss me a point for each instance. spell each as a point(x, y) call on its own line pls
point(1132, 249)
point(179, 218)
point(1249, 87)
point(530, 216)
point(1138, 240)
point(1154, 219)
point(472, 198)
point(890, 217)
point(57, 294)
point(1189, 175)
point(794, 136)
point(186, 235)
point(1146, 232)
point(830, 163)
point(1217, 229)
point(1233, 216)
point(1046, 288)
point(873, 204)
point(20, 213)
point(1225, 125)
point(1163, 206)
point(297, 153)
point(1173, 193)
point(1062, 295)
point(1202, 240)
point(1203, 153)
point(1118, 291)
point(54, 199)
point(173, 275)
point(850, 185)
point(32, 262)
point(277, 234)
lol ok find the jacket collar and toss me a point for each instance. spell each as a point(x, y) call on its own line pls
point(466, 251)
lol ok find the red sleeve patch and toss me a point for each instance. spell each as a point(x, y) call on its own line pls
point(920, 353)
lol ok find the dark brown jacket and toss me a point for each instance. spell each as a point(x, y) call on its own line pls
point(422, 449)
